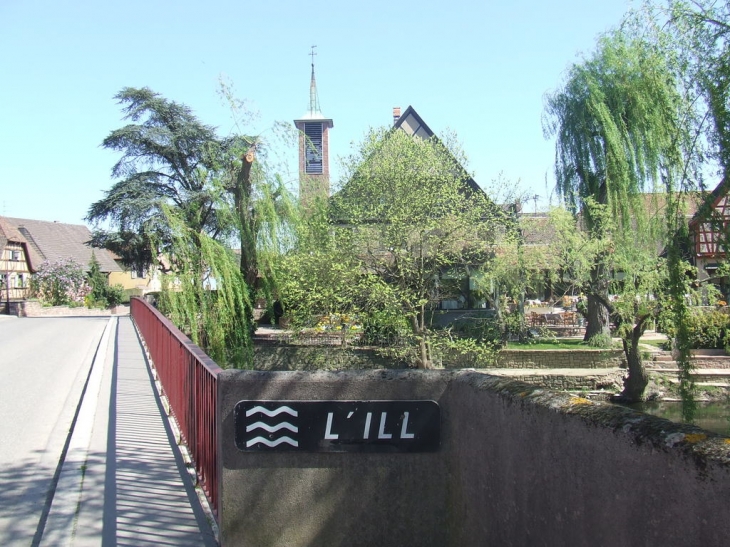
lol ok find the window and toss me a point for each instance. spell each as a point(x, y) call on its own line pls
point(16, 256)
point(313, 148)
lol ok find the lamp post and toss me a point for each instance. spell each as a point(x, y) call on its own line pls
point(7, 293)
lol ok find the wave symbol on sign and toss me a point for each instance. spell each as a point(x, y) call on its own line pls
point(271, 413)
point(272, 428)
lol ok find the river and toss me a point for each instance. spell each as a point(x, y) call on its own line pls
point(714, 416)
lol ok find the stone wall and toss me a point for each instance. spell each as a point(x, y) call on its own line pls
point(557, 358)
point(518, 465)
point(611, 381)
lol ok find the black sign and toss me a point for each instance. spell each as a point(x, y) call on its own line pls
point(338, 426)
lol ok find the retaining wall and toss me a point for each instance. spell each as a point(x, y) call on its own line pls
point(312, 358)
point(557, 358)
point(607, 380)
point(286, 357)
point(518, 465)
point(33, 308)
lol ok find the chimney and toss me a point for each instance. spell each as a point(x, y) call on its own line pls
point(396, 114)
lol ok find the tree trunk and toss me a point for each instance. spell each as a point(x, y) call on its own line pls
point(244, 208)
point(637, 378)
point(424, 349)
point(598, 318)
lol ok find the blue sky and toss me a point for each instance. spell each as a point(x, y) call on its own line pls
point(479, 68)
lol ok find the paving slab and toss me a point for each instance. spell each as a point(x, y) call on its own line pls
point(124, 481)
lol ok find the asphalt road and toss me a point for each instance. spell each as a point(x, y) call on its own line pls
point(44, 363)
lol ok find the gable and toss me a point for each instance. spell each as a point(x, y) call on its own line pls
point(411, 124)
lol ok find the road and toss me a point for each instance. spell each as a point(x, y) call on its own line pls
point(44, 364)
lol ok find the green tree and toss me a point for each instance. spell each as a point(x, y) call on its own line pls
point(186, 197)
point(322, 275)
point(169, 159)
point(206, 295)
point(102, 294)
point(698, 45)
point(700, 30)
point(517, 270)
point(411, 216)
point(620, 123)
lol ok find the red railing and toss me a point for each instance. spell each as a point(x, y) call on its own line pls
point(189, 381)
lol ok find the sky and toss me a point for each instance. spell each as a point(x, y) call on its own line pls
point(480, 69)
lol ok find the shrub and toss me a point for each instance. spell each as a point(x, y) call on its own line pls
point(482, 330)
point(60, 283)
point(102, 295)
point(116, 295)
point(382, 328)
point(601, 341)
point(708, 328)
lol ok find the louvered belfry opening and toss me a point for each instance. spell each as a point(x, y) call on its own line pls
point(313, 146)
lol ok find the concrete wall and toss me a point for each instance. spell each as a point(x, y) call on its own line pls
point(290, 500)
point(518, 465)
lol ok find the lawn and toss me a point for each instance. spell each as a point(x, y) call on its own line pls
point(661, 344)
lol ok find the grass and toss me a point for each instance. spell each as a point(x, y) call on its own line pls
point(661, 344)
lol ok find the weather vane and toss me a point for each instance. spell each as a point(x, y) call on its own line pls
point(312, 54)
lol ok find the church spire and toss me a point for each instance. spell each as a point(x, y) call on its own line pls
point(314, 110)
point(314, 170)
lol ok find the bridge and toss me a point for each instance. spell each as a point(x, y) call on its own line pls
point(503, 463)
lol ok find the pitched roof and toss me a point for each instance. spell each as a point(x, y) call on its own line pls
point(413, 125)
point(537, 229)
point(54, 241)
point(707, 202)
point(9, 233)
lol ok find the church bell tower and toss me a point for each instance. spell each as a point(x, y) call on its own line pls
point(314, 170)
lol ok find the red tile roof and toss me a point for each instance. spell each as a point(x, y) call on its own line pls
point(54, 241)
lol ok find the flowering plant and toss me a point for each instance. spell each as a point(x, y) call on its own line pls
point(60, 283)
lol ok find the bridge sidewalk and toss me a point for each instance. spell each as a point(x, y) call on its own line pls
point(124, 481)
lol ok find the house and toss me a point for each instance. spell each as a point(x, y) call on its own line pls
point(136, 282)
point(16, 264)
point(421, 207)
point(709, 230)
point(29, 243)
point(51, 241)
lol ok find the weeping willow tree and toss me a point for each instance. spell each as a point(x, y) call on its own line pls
point(206, 295)
point(623, 126)
point(619, 132)
point(700, 33)
point(210, 289)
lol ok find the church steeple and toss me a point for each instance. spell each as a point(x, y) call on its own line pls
point(313, 129)
point(313, 96)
